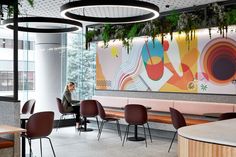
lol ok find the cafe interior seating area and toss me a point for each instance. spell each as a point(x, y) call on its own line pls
point(152, 78)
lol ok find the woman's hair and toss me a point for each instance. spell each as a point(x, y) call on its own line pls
point(69, 84)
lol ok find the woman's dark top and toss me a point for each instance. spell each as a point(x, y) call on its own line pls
point(67, 101)
point(67, 104)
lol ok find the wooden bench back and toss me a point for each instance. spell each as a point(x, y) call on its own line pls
point(5, 143)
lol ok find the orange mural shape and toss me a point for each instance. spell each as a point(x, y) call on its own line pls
point(189, 63)
point(99, 75)
point(180, 81)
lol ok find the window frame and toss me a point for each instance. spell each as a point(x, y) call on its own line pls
point(14, 3)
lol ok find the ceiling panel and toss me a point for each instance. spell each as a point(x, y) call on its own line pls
point(51, 8)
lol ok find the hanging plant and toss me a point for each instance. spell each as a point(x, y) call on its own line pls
point(184, 22)
point(188, 23)
point(133, 31)
point(232, 16)
point(126, 33)
point(31, 2)
point(120, 32)
point(216, 16)
point(11, 9)
point(172, 19)
point(151, 29)
point(89, 37)
point(106, 34)
point(127, 42)
point(147, 29)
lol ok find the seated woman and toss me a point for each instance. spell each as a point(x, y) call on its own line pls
point(67, 103)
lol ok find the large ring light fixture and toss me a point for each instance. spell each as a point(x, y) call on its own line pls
point(74, 25)
point(83, 4)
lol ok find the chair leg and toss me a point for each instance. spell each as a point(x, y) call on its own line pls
point(101, 127)
point(149, 132)
point(118, 129)
point(127, 133)
point(145, 135)
point(97, 122)
point(41, 151)
point(59, 122)
point(51, 146)
point(79, 131)
point(126, 130)
point(172, 141)
point(29, 140)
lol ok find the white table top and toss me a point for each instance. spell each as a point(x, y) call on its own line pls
point(220, 132)
point(7, 129)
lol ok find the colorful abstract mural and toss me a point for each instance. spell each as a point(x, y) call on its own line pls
point(203, 65)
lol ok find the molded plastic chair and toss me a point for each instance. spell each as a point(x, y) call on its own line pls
point(39, 126)
point(28, 107)
point(62, 111)
point(88, 108)
point(178, 121)
point(106, 118)
point(136, 114)
point(228, 115)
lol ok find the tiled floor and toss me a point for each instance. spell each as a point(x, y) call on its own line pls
point(68, 143)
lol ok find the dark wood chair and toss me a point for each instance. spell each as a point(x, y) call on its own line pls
point(106, 118)
point(136, 114)
point(28, 107)
point(88, 108)
point(39, 126)
point(228, 115)
point(178, 121)
point(62, 111)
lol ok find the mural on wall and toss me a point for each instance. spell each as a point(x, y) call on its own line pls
point(203, 66)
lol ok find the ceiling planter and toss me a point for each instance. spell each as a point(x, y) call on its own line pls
point(107, 11)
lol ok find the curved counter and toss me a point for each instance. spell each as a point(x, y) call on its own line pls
point(215, 139)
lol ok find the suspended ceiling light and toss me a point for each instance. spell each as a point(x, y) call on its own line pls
point(73, 25)
point(76, 10)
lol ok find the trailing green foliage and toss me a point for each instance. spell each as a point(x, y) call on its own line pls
point(11, 9)
point(106, 33)
point(172, 19)
point(31, 3)
point(90, 35)
point(174, 22)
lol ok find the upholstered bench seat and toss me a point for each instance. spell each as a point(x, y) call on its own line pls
point(158, 118)
point(195, 110)
point(5, 143)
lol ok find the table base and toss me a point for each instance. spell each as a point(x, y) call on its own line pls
point(86, 130)
point(136, 138)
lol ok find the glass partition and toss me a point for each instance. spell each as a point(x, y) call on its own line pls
point(26, 66)
point(80, 65)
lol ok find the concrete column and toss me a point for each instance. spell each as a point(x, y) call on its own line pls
point(48, 73)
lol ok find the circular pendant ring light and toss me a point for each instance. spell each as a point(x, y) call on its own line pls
point(74, 25)
point(153, 10)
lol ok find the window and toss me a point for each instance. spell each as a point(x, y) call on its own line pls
point(80, 67)
point(26, 64)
